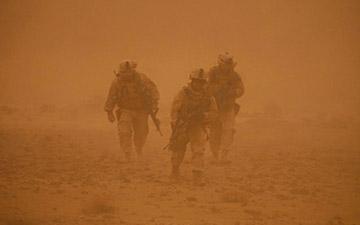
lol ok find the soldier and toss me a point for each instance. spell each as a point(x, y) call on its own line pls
point(192, 110)
point(226, 86)
point(135, 96)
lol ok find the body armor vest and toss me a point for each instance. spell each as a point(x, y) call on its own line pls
point(223, 83)
point(195, 105)
point(130, 95)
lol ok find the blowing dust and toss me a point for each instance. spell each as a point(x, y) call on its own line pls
point(179, 113)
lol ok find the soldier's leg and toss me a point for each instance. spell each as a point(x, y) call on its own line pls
point(141, 130)
point(227, 136)
point(177, 157)
point(198, 143)
point(215, 138)
point(125, 133)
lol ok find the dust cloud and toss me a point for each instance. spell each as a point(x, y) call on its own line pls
point(296, 154)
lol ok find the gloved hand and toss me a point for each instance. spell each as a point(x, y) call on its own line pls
point(111, 117)
point(155, 109)
point(208, 118)
point(173, 124)
point(233, 92)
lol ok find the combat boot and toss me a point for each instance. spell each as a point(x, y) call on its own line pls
point(215, 159)
point(175, 173)
point(198, 178)
point(139, 151)
point(139, 155)
point(128, 158)
point(224, 159)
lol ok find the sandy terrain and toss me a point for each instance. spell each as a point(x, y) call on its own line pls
point(283, 171)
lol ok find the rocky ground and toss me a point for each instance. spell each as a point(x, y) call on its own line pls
point(283, 171)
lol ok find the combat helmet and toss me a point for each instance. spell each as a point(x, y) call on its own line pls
point(198, 74)
point(226, 59)
point(126, 66)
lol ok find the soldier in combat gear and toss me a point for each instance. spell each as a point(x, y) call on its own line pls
point(136, 97)
point(226, 86)
point(192, 110)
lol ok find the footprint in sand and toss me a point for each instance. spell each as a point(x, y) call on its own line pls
point(98, 206)
point(337, 220)
point(235, 197)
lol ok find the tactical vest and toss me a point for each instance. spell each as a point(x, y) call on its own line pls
point(195, 105)
point(131, 94)
point(222, 84)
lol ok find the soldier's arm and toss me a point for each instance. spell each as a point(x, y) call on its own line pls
point(176, 106)
point(238, 86)
point(212, 86)
point(112, 97)
point(153, 91)
point(212, 114)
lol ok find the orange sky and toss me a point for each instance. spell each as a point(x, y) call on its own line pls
point(303, 55)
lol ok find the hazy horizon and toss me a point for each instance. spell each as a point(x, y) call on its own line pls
point(300, 55)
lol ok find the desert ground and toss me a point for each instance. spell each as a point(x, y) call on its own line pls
point(67, 168)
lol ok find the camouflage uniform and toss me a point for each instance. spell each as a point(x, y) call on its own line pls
point(226, 86)
point(196, 108)
point(135, 95)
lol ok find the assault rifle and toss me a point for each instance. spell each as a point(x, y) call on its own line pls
point(180, 128)
point(155, 120)
point(149, 106)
